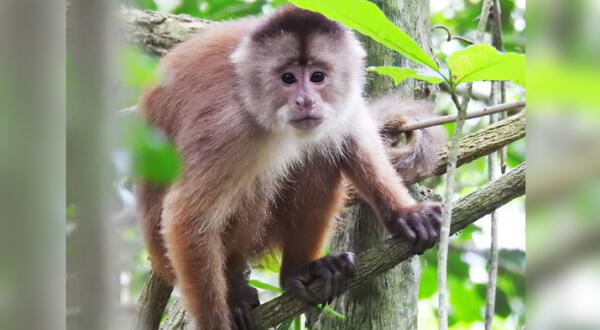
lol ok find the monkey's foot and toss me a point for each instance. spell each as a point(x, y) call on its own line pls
point(419, 224)
point(334, 270)
point(242, 299)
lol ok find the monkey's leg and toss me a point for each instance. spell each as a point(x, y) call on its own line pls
point(377, 182)
point(308, 208)
point(241, 297)
point(150, 200)
point(197, 255)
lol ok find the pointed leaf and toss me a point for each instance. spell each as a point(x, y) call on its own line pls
point(366, 18)
point(484, 62)
point(400, 74)
point(264, 286)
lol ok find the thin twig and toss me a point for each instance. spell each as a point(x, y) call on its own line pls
point(451, 118)
point(498, 95)
point(463, 39)
point(449, 192)
point(449, 34)
point(447, 214)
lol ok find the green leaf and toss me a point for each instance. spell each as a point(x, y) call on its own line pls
point(285, 325)
point(154, 157)
point(297, 323)
point(467, 304)
point(264, 286)
point(428, 282)
point(270, 262)
point(456, 266)
point(332, 312)
point(484, 62)
point(400, 74)
point(502, 305)
point(366, 18)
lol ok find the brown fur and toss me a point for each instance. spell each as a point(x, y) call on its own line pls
point(239, 195)
point(418, 156)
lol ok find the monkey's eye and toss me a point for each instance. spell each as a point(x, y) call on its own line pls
point(317, 77)
point(288, 78)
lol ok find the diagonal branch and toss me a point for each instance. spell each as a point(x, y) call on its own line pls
point(482, 143)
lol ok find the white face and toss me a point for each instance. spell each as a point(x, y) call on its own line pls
point(303, 92)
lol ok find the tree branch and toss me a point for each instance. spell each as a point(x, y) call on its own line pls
point(157, 32)
point(482, 143)
point(152, 302)
point(451, 118)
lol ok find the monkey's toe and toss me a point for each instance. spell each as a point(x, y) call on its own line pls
point(333, 270)
point(241, 318)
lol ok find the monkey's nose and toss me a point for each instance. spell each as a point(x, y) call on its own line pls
point(305, 102)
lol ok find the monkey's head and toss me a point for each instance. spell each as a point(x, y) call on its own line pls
point(299, 70)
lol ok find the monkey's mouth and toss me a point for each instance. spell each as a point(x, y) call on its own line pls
point(306, 123)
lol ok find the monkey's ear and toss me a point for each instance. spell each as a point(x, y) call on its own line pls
point(240, 55)
point(356, 46)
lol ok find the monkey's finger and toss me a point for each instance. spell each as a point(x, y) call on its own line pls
point(436, 208)
point(345, 263)
point(337, 281)
point(235, 319)
point(299, 290)
point(324, 274)
point(432, 234)
point(248, 322)
point(402, 227)
point(435, 218)
point(422, 237)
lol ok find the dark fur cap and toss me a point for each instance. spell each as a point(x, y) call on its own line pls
point(296, 21)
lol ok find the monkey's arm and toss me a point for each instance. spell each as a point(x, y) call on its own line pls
point(371, 173)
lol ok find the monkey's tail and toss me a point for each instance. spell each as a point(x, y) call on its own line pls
point(413, 153)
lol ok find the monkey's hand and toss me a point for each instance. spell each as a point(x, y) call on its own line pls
point(419, 224)
point(242, 298)
point(334, 270)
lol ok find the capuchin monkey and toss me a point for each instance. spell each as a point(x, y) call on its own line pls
point(269, 117)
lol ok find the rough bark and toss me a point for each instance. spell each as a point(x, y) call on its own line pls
point(485, 141)
point(157, 32)
point(152, 303)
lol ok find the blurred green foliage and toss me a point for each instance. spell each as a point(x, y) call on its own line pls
point(154, 157)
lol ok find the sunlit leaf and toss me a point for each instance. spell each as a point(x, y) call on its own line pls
point(366, 18)
point(332, 312)
point(484, 62)
point(265, 286)
point(270, 261)
point(400, 74)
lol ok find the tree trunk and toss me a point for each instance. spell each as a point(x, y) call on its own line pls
point(388, 301)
